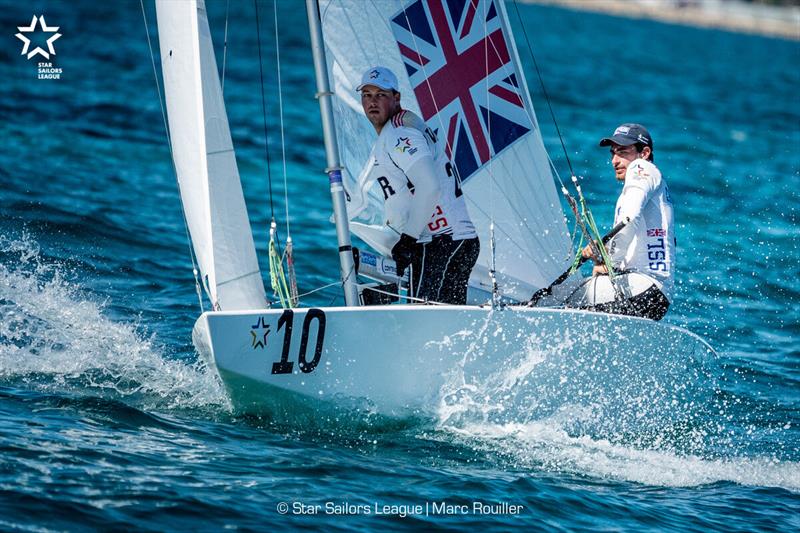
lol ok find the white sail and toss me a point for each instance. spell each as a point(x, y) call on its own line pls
point(208, 177)
point(441, 51)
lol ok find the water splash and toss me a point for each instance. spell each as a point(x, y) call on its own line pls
point(604, 403)
point(548, 445)
point(55, 339)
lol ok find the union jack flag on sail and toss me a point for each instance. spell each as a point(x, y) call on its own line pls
point(459, 63)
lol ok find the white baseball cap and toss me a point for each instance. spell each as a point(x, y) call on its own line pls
point(379, 77)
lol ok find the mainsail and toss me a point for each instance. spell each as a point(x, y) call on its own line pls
point(458, 69)
point(208, 177)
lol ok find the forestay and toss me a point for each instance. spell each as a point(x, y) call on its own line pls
point(458, 68)
point(204, 159)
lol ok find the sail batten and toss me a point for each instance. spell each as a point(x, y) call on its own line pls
point(458, 68)
point(205, 162)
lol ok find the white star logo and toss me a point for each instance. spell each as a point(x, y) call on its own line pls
point(27, 42)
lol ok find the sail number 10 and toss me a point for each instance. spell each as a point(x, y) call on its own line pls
point(284, 366)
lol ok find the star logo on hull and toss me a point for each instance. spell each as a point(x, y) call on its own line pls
point(259, 333)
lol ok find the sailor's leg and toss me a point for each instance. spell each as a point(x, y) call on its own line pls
point(591, 292)
point(650, 304)
point(459, 265)
point(641, 296)
point(432, 272)
point(419, 263)
point(444, 273)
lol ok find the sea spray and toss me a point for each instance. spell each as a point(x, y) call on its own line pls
point(610, 367)
point(54, 337)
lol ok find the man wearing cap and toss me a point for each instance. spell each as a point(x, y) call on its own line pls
point(643, 253)
point(423, 204)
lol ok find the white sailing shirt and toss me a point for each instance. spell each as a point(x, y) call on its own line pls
point(404, 141)
point(647, 244)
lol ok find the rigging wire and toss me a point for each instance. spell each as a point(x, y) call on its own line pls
point(544, 90)
point(280, 114)
point(277, 278)
point(552, 166)
point(327, 286)
point(225, 44)
point(449, 149)
point(195, 270)
point(264, 113)
point(492, 242)
point(288, 252)
point(374, 289)
point(595, 240)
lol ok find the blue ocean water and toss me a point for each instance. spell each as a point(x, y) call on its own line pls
point(109, 421)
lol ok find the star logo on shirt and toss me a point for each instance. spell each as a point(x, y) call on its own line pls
point(403, 144)
point(27, 42)
point(640, 172)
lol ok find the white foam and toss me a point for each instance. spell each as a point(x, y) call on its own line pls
point(54, 338)
point(546, 444)
point(545, 411)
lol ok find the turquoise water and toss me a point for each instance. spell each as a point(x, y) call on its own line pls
point(109, 421)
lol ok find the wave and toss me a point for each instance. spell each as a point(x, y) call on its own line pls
point(679, 430)
point(56, 339)
point(548, 445)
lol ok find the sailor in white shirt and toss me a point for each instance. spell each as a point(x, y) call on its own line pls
point(643, 253)
point(422, 195)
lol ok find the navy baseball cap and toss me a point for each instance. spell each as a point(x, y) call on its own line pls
point(627, 135)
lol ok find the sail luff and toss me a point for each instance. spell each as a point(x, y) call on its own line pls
point(210, 278)
point(202, 148)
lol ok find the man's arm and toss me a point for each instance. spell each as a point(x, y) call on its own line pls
point(633, 200)
point(412, 155)
point(426, 195)
point(641, 179)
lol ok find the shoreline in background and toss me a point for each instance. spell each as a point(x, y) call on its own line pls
point(781, 21)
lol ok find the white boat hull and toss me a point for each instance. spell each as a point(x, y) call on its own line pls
point(417, 360)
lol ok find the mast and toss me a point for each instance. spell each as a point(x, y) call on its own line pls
point(334, 169)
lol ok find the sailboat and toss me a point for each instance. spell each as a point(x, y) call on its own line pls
point(459, 70)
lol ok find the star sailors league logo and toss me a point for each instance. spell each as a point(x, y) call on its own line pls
point(29, 48)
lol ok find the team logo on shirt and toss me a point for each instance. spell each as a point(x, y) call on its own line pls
point(639, 172)
point(656, 232)
point(404, 146)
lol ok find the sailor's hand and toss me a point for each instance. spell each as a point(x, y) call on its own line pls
point(403, 252)
point(599, 270)
point(588, 253)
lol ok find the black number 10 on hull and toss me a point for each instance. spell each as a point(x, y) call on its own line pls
point(284, 366)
